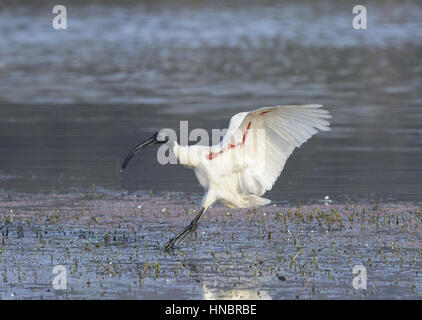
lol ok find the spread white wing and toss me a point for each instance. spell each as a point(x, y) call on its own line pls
point(257, 144)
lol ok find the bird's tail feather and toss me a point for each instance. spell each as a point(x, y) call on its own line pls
point(253, 201)
point(261, 201)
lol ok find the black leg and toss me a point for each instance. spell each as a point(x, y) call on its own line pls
point(181, 237)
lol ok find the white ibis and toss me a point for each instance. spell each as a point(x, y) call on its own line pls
point(247, 162)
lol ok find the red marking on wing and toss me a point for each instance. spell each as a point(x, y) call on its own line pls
point(246, 133)
point(264, 112)
point(213, 155)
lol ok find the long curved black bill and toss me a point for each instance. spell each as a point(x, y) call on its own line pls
point(138, 148)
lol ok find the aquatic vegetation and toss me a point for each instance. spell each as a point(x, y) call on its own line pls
point(113, 248)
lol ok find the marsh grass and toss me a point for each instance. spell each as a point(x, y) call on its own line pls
point(112, 248)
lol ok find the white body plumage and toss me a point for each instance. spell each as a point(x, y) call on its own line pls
point(250, 158)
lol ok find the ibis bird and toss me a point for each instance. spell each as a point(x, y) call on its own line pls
point(246, 163)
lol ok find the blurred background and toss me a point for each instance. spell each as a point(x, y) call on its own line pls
point(74, 102)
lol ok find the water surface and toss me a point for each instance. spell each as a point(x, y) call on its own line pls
point(73, 102)
point(112, 248)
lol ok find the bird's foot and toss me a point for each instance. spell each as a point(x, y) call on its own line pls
point(187, 234)
point(181, 237)
point(170, 244)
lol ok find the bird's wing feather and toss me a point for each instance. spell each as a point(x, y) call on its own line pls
point(265, 152)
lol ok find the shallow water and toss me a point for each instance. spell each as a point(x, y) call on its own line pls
point(72, 103)
point(112, 248)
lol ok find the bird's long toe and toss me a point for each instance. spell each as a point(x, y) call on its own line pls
point(180, 238)
point(186, 235)
point(170, 244)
